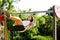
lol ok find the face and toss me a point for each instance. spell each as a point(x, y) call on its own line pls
point(29, 18)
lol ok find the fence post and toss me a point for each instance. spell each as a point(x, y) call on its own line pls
point(5, 30)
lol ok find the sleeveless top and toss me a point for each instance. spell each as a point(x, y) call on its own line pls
point(25, 23)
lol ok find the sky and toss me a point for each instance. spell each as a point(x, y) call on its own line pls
point(35, 5)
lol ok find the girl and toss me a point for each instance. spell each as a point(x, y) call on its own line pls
point(20, 25)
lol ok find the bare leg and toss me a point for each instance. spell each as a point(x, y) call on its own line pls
point(18, 21)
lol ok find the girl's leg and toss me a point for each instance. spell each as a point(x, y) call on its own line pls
point(18, 25)
point(17, 20)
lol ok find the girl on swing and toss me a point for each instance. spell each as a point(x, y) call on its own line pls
point(20, 25)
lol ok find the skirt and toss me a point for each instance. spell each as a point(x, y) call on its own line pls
point(17, 28)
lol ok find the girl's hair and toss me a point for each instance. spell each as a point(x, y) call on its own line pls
point(31, 18)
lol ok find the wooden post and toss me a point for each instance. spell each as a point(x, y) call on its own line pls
point(5, 30)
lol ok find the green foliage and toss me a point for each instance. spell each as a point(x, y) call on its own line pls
point(42, 37)
point(42, 30)
point(9, 24)
point(23, 16)
point(50, 13)
point(58, 29)
point(7, 4)
point(45, 25)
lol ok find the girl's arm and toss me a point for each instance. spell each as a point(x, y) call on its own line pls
point(17, 20)
point(32, 24)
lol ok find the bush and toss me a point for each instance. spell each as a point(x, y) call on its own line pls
point(45, 25)
point(58, 29)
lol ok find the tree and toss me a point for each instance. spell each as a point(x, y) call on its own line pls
point(50, 9)
point(7, 4)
